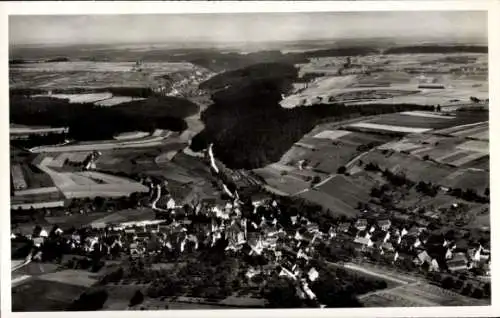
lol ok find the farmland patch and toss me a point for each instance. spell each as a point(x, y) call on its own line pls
point(50, 295)
point(388, 127)
point(332, 134)
point(414, 168)
point(70, 276)
point(475, 145)
point(336, 206)
point(410, 121)
point(425, 115)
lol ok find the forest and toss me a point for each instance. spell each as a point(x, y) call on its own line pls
point(248, 126)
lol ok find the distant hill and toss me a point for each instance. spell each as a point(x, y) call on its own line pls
point(428, 49)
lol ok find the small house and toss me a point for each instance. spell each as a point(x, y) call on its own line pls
point(361, 224)
point(459, 262)
point(363, 242)
point(384, 225)
point(344, 227)
point(422, 257)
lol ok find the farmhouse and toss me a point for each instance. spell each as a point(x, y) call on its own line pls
point(361, 224)
point(459, 262)
point(422, 258)
point(384, 225)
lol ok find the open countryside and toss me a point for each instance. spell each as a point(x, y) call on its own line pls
point(309, 173)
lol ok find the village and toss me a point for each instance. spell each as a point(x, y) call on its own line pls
point(261, 226)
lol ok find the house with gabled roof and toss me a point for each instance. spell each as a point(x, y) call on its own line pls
point(422, 257)
point(458, 262)
point(363, 242)
point(384, 225)
point(361, 224)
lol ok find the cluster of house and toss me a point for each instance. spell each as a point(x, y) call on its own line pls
point(416, 243)
point(260, 235)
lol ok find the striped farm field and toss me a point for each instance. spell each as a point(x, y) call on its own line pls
point(331, 134)
point(379, 126)
point(476, 145)
point(360, 138)
point(402, 145)
point(328, 202)
point(89, 183)
point(466, 127)
point(426, 115)
point(37, 205)
point(468, 179)
point(414, 168)
point(411, 121)
point(469, 158)
point(350, 190)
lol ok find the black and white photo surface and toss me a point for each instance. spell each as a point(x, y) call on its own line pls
point(249, 160)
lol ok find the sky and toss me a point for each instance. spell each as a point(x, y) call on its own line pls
point(251, 27)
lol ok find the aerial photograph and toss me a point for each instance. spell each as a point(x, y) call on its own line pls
point(249, 160)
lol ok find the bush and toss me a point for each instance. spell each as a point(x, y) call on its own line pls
point(137, 299)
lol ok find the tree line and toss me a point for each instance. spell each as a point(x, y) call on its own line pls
point(89, 122)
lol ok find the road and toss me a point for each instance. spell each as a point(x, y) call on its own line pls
point(158, 196)
point(19, 266)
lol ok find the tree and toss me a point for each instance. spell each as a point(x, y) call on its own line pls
point(315, 180)
point(466, 291)
point(281, 293)
point(90, 301)
point(137, 299)
point(98, 202)
point(478, 293)
point(341, 170)
point(474, 99)
point(447, 282)
point(487, 289)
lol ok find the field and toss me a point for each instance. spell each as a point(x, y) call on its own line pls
point(140, 214)
point(37, 196)
point(454, 151)
point(387, 127)
point(423, 170)
point(80, 98)
point(90, 74)
point(406, 120)
point(414, 122)
point(340, 194)
point(414, 168)
point(468, 179)
point(71, 277)
point(418, 295)
point(393, 79)
point(131, 135)
point(415, 200)
point(49, 295)
point(35, 178)
point(99, 99)
point(153, 140)
point(283, 182)
point(89, 184)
